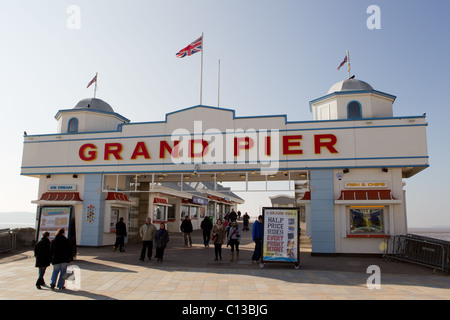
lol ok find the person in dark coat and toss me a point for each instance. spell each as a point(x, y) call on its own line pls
point(43, 256)
point(186, 228)
point(61, 257)
point(246, 219)
point(161, 240)
point(233, 216)
point(257, 238)
point(121, 233)
point(206, 226)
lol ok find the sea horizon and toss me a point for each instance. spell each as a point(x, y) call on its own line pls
point(18, 219)
point(21, 219)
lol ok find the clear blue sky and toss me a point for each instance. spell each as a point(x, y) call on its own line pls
point(276, 56)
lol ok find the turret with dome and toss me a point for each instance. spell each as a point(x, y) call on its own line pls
point(352, 99)
point(89, 115)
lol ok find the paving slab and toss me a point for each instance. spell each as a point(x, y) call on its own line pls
point(192, 274)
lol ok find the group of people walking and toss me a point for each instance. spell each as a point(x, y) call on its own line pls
point(229, 231)
point(58, 252)
point(222, 232)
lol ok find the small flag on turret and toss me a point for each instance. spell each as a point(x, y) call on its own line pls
point(343, 62)
point(92, 81)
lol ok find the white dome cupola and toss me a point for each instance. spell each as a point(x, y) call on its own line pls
point(89, 115)
point(352, 99)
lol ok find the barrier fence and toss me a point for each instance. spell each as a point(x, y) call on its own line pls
point(7, 240)
point(421, 250)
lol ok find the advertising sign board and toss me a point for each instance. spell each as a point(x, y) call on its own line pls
point(281, 235)
point(53, 218)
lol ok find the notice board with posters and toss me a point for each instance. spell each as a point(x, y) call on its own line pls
point(281, 235)
point(53, 218)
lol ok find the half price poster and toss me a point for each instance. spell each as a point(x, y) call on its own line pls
point(280, 242)
point(53, 218)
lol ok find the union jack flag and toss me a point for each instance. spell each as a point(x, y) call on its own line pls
point(194, 47)
point(343, 62)
point(92, 81)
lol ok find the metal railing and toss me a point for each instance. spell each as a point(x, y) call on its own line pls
point(7, 240)
point(421, 250)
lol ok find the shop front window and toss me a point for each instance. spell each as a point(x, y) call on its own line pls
point(114, 219)
point(171, 213)
point(211, 206)
point(366, 220)
point(159, 213)
point(184, 212)
point(194, 212)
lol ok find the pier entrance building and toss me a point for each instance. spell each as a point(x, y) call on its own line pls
point(346, 168)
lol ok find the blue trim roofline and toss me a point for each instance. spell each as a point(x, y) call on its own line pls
point(224, 132)
point(261, 116)
point(338, 93)
point(424, 166)
point(213, 163)
point(120, 125)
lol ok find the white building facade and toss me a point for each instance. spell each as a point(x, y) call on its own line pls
point(353, 157)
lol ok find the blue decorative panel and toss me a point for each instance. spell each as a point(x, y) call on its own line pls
point(93, 211)
point(322, 211)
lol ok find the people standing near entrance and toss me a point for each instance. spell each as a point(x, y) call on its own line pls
point(246, 219)
point(206, 226)
point(218, 232)
point(61, 257)
point(43, 255)
point(234, 237)
point(257, 238)
point(147, 233)
point(121, 233)
point(233, 216)
point(161, 240)
point(186, 228)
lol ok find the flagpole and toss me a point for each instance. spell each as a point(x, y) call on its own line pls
point(96, 80)
point(218, 86)
point(348, 64)
point(201, 70)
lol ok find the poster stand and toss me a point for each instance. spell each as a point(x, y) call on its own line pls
point(51, 218)
point(281, 236)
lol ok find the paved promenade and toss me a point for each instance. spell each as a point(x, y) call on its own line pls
point(191, 274)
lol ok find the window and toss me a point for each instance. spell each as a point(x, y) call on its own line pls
point(171, 213)
point(211, 207)
point(73, 125)
point(219, 207)
point(184, 212)
point(354, 110)
point(114, 219)
point(159, 213)
point(194, 212)
point(367, 220)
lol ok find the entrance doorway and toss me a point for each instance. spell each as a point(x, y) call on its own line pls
point(204, 194)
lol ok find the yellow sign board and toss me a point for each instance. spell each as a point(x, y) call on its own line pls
point(366, 184)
